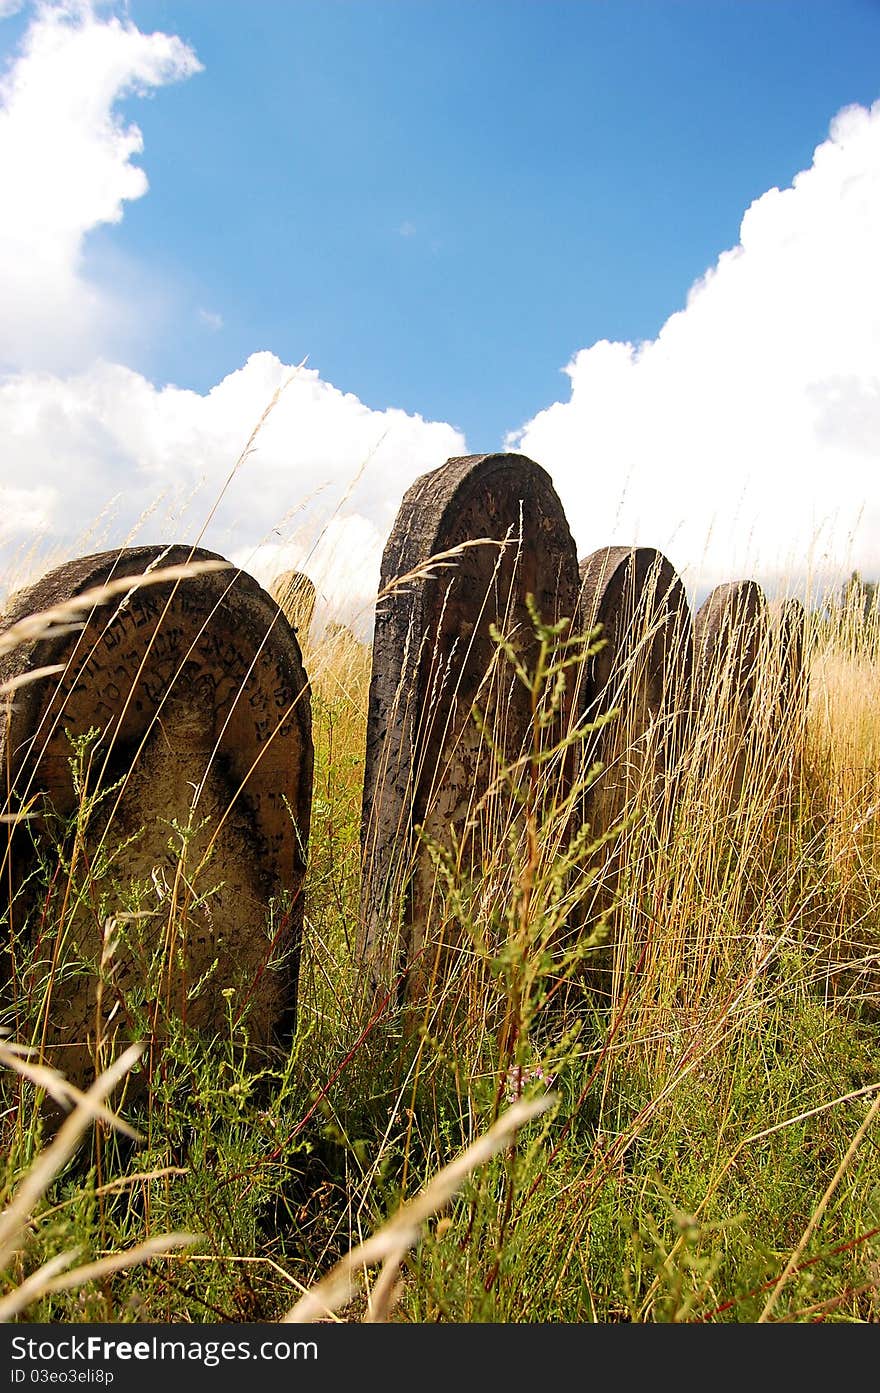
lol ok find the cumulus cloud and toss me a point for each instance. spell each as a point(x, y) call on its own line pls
point(318, 488)
point(96, 454)
point(65, 168)
point(741, 440)
point(744, 439)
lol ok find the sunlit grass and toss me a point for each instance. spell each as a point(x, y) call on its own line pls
point(700, 989)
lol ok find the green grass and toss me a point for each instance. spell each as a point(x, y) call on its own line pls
point(706, 1099)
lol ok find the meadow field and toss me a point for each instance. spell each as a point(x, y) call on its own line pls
point(641, 1088)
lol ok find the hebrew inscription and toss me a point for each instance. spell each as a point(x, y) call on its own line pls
point(191, 783)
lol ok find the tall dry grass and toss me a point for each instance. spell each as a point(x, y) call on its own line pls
point(709, 1151)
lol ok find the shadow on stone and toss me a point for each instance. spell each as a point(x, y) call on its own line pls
point(167, 775)
point(428, 764)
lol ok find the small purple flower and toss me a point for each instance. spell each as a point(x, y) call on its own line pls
point(520, 1076)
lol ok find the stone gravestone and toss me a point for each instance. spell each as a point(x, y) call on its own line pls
point(730, 647)
point(790, 637)
point(200, 709)
point(427, 763)
point(790, 696)
point(642, 670)
point(295, 594)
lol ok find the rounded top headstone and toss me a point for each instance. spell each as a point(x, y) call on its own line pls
point(192, 701)
point(294, 592)
point(471, 540)
point(729, 630)
point(637, 597)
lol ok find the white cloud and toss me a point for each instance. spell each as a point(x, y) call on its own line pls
point(745, 438)
point(729, 441)
point(294, 501)
point(97, 454)
point(65, 168)
point(211, 319)
point(342, 557)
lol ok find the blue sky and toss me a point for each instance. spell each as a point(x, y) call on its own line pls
point(567, 171)
point(441, 205)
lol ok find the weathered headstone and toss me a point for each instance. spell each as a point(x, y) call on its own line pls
point(643, 670)
point(194, 799)
point(427, 762)
point(789, 695)
point(295, 593)
point(790, 632)
point(730, 647)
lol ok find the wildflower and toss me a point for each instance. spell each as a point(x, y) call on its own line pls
point(520, 1076)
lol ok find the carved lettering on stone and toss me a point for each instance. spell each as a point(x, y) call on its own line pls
point(200, 702)
point(427, 763)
